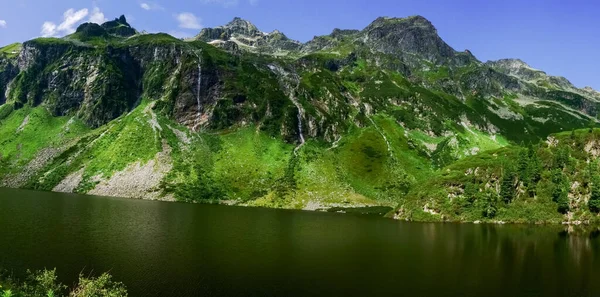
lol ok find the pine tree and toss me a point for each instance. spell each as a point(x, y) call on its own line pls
point(561, 158)
point(489, 207)
point(560, 193)
point(507, 187)
point(594, 202)
point(534, 171)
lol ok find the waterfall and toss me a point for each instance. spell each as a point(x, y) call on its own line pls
point(291, 90)
point(198, 88)
point(300, 116)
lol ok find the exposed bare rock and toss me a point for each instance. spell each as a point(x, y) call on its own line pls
point(41, 159)
point(138, 180)
point(70, 183)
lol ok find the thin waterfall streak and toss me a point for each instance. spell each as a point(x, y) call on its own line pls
point(198, 89)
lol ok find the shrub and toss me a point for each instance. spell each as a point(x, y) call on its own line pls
point(44, 283)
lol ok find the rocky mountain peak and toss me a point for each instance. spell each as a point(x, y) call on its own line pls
point(518, 68)
point(119, 27)
point(511, 64)
point(592, 91)
point(248, 37)
point(242, 27)
point(403, 23)
point(338, 33)
point(414, 35)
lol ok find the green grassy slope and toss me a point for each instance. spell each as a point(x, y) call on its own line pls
point(550, 182)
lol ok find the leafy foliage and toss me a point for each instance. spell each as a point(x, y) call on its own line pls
point(44, 283)
point(538, 183)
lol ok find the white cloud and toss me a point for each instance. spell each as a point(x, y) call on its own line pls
point(151, 6)
point(71, 18)
point(48, 29)
point(2, 24)
point(97, 16)
point(188, 20)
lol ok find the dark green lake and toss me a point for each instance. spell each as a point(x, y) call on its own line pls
point(174, 249)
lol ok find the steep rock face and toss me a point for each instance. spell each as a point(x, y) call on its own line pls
point(8, 70)
point(99, 85)
point(516, 68)
point(247, 35)
point(119, 27)
point(488, 82)
point(520, 69)
point(412, 35)
point(236, 28)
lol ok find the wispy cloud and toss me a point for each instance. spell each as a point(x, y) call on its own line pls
point(48, 29)
point(188, 20)
point(97, 16)
point(71, 18)
point(151, 6)
point(2, 24)
point(253, 2)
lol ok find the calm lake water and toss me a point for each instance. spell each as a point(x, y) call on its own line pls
point(173, 249)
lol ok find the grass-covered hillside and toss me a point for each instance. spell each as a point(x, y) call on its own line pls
point(356, 118)
point(550, 182)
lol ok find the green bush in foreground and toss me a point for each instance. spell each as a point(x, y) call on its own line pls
point(44, 283)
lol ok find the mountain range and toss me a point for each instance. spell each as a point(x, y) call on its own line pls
point(387, 118)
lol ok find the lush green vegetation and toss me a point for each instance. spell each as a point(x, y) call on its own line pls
point(44, 283)
point(107, 102)
point(554, 181)
point(11, 50)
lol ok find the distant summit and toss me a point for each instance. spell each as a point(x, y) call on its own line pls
point(117, 27)
point(247, 36)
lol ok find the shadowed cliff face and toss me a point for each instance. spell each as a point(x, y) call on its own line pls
point(413, 35)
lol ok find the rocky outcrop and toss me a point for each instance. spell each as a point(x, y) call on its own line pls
point(520, 69)
point(97, 85)
point(140, 181)
point(8, 71)
point(246, 35)
point(119, 27)
point(407, 36)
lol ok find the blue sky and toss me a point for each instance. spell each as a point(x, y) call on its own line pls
point(559, 37)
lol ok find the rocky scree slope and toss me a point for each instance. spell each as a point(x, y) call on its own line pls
point(352, 119)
